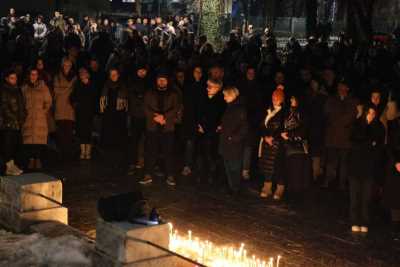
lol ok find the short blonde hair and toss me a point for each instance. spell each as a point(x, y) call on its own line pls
point(231, 90)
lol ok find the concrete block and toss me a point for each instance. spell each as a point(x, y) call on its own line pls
point(112, 239)
point(30, 192)
point(100, 259)
point(19, 221)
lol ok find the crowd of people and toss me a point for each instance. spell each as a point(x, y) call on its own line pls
point(153, 91)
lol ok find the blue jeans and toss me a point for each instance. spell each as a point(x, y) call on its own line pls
point(233, 170)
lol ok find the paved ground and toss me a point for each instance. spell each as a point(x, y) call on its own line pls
point(316, 234)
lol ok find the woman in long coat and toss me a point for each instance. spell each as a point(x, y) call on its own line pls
point(35, 129)
point(114, 104)
point(64, 112)
point(295, 147)
point(270, 148)
point(83, 98)
point(367, 139)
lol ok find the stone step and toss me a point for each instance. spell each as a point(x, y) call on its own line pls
point(19, 221)
point(113, 240)
point(30, 192)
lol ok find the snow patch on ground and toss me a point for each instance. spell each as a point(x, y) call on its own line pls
point(19, 250)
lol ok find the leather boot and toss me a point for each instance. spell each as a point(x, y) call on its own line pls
point(83, 151)
point(31, 164)
point(266, 191)
point(280, 190)
point(88, 151)
point(38, 164)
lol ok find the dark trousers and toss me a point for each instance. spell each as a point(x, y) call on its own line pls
point(10, 143)
point(207, 156)
point(233, 170)
point(34, 151)
point(360, 196)
point(159, 143)
point(65, 138)
point(189, 151)
point(138, 126)
point(336, 165)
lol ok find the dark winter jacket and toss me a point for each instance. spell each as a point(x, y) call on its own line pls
point(316, 122)
point(191, 98)
point(169, 102)
point(210, 113)
point(12, 108)
point(367, 140)
point(270, 156)
point(136, 91)
point(391, 195)
point(295, 125)
point(234, 129)
point(340, 116)
point(84, 99)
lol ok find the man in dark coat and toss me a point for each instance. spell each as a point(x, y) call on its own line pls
point(137, 88)
point(210, 111)
point(12, 117)
point(161, 107)
point(233, 136)
point(340, 112)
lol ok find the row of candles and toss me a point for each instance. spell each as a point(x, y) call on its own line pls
point(211, 255)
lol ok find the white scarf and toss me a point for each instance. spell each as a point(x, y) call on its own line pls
point(270, 114)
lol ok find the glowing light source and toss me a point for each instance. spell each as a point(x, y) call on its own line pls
point(207, 253)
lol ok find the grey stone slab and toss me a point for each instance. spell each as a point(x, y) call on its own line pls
point(19, 221)
point(100, 259)
point(113, 240)
point(30, 192)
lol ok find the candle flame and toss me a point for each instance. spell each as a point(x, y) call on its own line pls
point(205, 252)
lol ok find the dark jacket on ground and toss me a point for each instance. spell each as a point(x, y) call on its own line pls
point(391, 189)
point(234, 130)
point(366, 144)
point(161, 102)
point(210, 113)
point(340, 116)
point(12, 108)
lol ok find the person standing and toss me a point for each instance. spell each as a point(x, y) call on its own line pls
point(340, 112)
point(137, 89)
point(64, 112)
point(391, 197)
point(295, 145)
point(35, 130)
point(209, 115)
point(367, 138)
point(12, 117)
point(83, 98)
point(232, 138)
point(191, 94)
point(160, 106)
point(270, 148)
point(113, 105)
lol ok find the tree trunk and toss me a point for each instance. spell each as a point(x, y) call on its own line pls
point(311, 16)
point(138, 7)
point(359, 19)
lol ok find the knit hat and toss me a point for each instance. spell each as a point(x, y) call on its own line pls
point(162, 74)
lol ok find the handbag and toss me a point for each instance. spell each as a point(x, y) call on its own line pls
point(299, 147)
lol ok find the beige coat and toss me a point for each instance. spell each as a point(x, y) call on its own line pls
point(38, 102)
point(62, 92)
